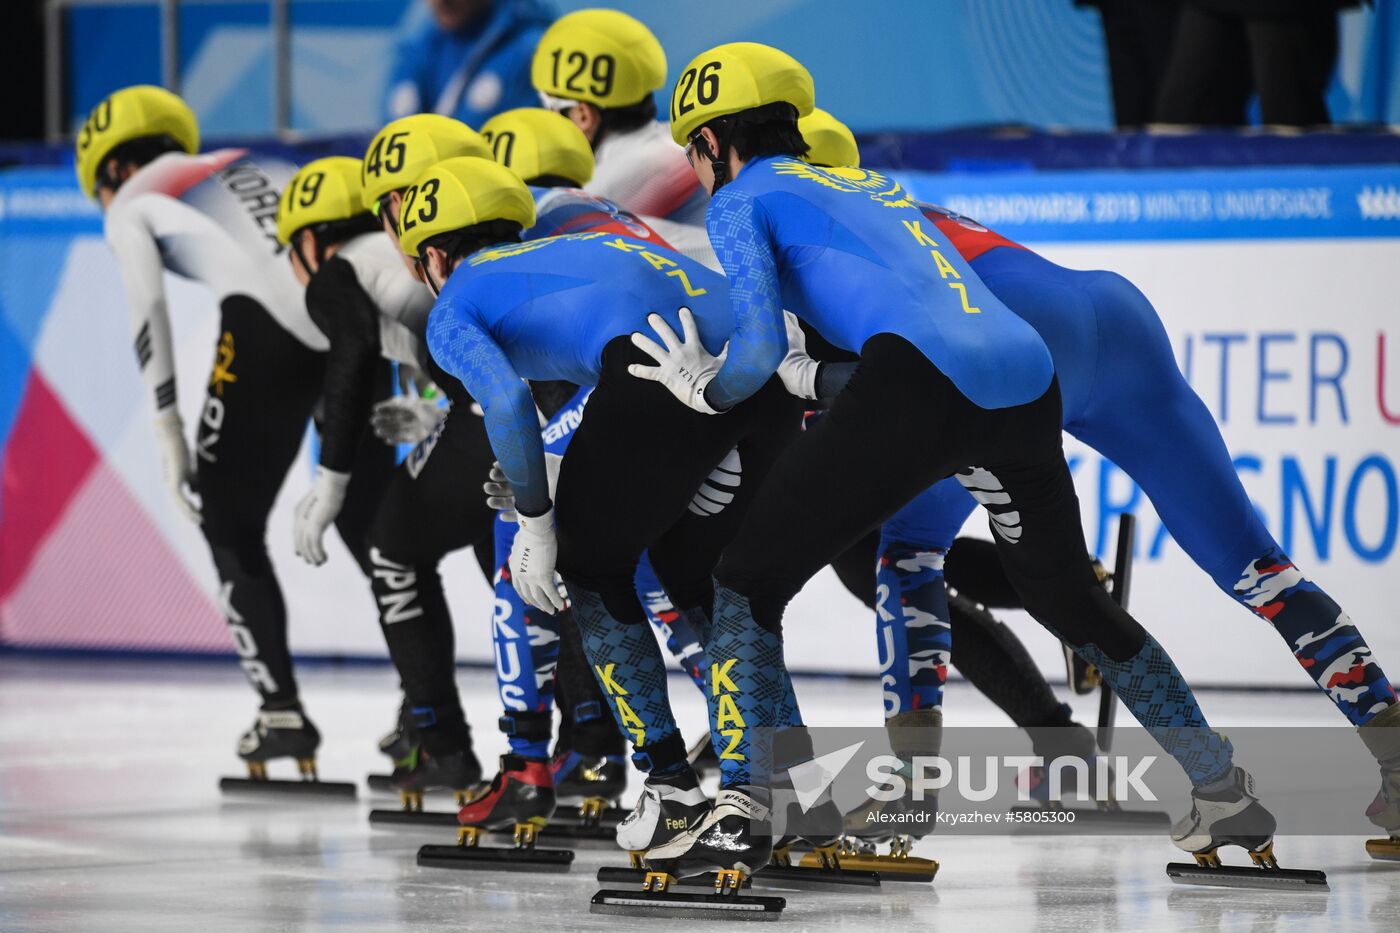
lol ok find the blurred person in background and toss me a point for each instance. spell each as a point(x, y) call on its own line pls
point(1225, 51)
point(470, 61)
point(1138, 38)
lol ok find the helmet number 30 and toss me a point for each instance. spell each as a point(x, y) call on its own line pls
point(600, 72)
point(98, 122)
point(703, 84)
point(425, 196)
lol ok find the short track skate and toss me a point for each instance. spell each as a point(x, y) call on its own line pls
point(418, 775)
point(726, 844)
point(520, 800)
point(657, 898)
point(283, 734)
point(1264, 873)
point(1233, 816)
point(897, 865)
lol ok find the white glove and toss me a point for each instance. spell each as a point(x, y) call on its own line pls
point(797, 370)
point(314, 513)
point(501, 496)
point(532, 558)
point(405, 419)
point(684, 366)
point(176, 466)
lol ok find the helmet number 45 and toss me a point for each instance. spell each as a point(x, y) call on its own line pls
point(705, 85)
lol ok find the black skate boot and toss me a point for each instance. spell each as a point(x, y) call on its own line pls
point(592, 783)
point(732, 841)
point(817, 825)
point(520, 799)
point(458, 772)
point(399, 743)
point(901, 822)
point(1227, 816)
point(283, 733)
point(1382, 737)
point(396, 745)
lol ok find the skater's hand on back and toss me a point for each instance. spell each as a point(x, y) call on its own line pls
point(177, 467)
point(500, 495)
point(683, 365)
point(797, 370)
point(406, 419)
point(532, 558)
point(314, 513)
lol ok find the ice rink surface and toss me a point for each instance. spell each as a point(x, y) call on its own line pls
point(111, 820)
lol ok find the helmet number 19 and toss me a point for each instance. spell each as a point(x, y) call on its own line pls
point(600, 70)
point(310, 185)
point(705, 85)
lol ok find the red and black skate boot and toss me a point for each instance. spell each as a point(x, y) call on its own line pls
point(520, 799)
point(521, 795)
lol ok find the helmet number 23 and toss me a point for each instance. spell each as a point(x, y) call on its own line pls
point(704, 84)
point(425, 196)
point(600, 71)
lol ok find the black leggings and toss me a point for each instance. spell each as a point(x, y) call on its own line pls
point(629, 474)
point(434, 505)
point(1021, 476)
point(260, 397)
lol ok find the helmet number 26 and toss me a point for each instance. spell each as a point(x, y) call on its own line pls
point(600, 71)
point(704, 83)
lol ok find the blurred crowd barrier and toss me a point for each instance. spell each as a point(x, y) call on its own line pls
point(254, 67)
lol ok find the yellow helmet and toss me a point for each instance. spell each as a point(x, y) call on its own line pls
point(831, 142)
point(458, 193)
point(402, 150)
point(534, 142)
point(734, 77)
point(132, 113)
point(603, 57)
point(324, 191)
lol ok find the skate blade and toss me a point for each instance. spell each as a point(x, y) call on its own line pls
point(571, 832)
point(479, 858)
point(413, 818)
point(684, 904)
point(1387, 850)
point(818, 878)
point(1234, 876)
point(1093, 818)
point(887, 867)
point(235, 785)
point(614, 874)
point(381, 784)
